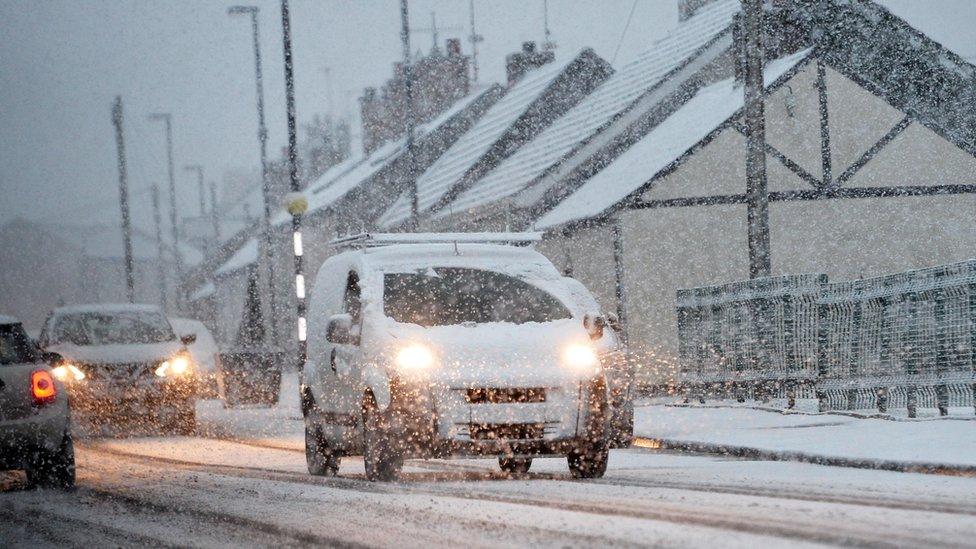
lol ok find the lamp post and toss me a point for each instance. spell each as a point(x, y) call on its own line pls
point(198, 169)
point(167, 119)
point(295, 202)
point(263, 141)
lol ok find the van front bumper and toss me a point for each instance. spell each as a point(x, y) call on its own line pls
point(445, 421)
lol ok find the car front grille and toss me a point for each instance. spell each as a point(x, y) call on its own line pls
point(118, 372)
point(507, 395)
point(506, 431)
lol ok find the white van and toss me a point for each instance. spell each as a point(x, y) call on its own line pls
point(425, 346)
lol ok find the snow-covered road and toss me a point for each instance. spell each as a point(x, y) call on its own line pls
point(205, 492)
point(242, 482)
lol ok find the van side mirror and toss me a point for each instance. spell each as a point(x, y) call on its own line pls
point(51, 358)
point(594, 325)
point(339, 330)
point(188, 339)
point(614, 322)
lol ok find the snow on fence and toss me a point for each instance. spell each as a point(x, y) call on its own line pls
point(904, 340)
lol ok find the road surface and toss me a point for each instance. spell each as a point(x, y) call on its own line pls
point(242, 482)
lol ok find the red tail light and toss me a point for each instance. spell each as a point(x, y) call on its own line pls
point(42, 387)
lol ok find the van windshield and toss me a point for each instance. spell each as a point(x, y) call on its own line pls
point(115, 328)
point(444, 296)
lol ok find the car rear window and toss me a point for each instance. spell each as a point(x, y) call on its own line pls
point(443, 296)
point(15, 346)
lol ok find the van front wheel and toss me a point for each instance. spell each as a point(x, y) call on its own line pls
point(320, 459)
point(381, 456)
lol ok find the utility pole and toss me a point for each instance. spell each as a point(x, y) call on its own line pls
point(297, 204)
point(756, 184)
point(474, 38)
point(160, 247)
point(167, 119)
point(199, 171)
point(130, 283)
point(265, 178)
point(214, 215)
point(547, 44)
point(408, 113)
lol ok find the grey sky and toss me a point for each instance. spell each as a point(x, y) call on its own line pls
point(62, 62)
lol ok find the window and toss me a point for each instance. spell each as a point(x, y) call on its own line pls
point(352, 300)
point(15, 346)
point(444, 296)
point(118, 328)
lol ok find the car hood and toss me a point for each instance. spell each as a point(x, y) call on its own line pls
point(117, 354)
point(494, 354)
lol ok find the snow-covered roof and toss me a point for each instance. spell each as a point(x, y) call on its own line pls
point(203, 292)
point(346, 176)
point(107, 308)
point(691, 123)
point(448, 170)
point(4, 319)
point(951, 27)
point(244, 256)
point(607, 101)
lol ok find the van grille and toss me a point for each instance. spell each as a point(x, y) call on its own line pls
point(513, 395)
point(506, 431)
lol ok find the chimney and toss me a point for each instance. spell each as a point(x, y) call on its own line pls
point(518, 64)
point(453, 47)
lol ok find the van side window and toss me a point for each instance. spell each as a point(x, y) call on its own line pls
point(352, 301)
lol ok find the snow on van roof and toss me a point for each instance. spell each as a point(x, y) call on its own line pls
point(107, 308)
point(4, 319)
point(488, 256)
point(385, 239)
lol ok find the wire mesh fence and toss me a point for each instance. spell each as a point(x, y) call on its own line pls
point(906, 340)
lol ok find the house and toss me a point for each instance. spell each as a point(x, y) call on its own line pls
point(532, 103)
point(607, 121)
point(870, 144)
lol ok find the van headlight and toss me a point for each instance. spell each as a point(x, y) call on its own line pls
point(174, 367)
point(581, 358)
point(68, 372)
point(414, 357)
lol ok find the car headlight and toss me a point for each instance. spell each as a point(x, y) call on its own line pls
point(68, 372)
point(581, 358)
point(414, 357)
point(175, 366)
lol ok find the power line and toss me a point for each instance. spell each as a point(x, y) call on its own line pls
point(620, 42)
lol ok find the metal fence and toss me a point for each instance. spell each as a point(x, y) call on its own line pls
point(905, 340)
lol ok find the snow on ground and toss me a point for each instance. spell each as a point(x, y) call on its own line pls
point(936, 441)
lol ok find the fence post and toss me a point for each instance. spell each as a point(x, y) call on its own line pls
point(972, 338)
point(853, 365)
point(822, 357)
point(910, 302)
point(941, 350)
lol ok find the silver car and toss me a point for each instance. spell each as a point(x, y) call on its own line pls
point(124, 360)
point(35, 425)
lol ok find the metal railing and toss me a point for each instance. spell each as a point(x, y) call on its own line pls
point(905, 340)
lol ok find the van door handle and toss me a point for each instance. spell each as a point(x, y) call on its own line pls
point(332, 360)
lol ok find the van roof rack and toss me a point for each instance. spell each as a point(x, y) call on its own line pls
point(375, 240)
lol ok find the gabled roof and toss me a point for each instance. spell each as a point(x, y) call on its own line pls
point(343, 178)
point(694, 121)
point(478, 144)
point(593, 113)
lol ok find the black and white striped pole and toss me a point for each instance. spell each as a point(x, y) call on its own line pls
point(295, 201)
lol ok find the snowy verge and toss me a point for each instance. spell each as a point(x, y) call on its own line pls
point(934, 446)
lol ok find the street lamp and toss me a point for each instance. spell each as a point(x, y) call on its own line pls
point(199, 171)
point(263, 141)
point(167, 119)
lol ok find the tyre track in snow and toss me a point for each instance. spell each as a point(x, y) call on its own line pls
point(737, 520)
point(778, 492)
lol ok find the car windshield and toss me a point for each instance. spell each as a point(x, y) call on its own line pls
point(15, 346)
point(128, 327)
point(443, 296)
